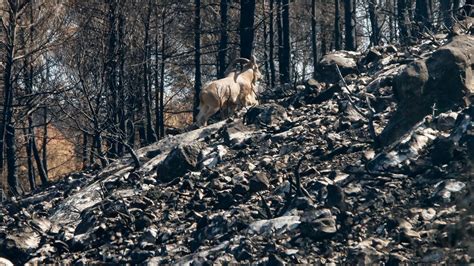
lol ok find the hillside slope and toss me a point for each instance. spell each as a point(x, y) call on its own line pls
point(296, 180)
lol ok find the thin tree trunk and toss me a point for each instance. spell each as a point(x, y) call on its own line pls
point(110, 72)
point(286, 51)
point(247, 14)
point(7, 130)
point(221, 54)
point(337, 26)
point(374, 23)
point(85, 150)
point(150, 133)
point(197, 56)
point(280, 38)
point(162, 79)
point(423, 15)
point(446, 8)
point(121, 89)
point(404, 21)
point(29, 155)
point(41, 168)
point(314, 40)
point(265, 45)
point(44, 142)
point(271, 45)
point(350, 29)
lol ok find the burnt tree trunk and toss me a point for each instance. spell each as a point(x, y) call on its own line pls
point(404, 22)
point(110, 74)
point(162, 80)
point(247, 15)
point(39, 165)
point(271, 46)
point(44, 142)
point(197, 56)
point(29, 157)
point(121, 88)
point(314, 40)
point(423, 15)
point(349, 22)
point(7, 129)
point(337, 26)
point(374, 23)
point(150, 133)
point(285, 76)
point(223, 41)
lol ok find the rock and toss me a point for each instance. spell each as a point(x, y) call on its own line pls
point(444, 80)
point(210, 157)
point(326, 69)
point(266, 115)
point(336, 197)
point(372, 56)
point(276, 260)
point(445, 121)
point(259, 182)
point(312, 84)
point(364, 253)
point(225, 200)
point(447, 190)
point(236, 133)
point(428, 214)
point(179, 161)
point(280, 224)
point(19, 244)
point(318, 224)
point(443, 150)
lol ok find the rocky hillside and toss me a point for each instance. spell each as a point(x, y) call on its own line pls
point(376, 167)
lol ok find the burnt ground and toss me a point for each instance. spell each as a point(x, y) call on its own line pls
point(299, 179)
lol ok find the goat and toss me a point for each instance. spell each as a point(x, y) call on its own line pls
point(236, 89)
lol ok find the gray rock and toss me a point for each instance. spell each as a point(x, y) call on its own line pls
point(180, 160)
point(259, 182)
point(444, 80)
point(448, 190)
point(280, 224)
point(326, 69)
point(266, 115)
point(235, 134)
point(445, 121)
point(318, 224)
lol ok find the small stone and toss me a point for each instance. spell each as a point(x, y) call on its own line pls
point(259, 182)
point(446, 121)
point(428, 214)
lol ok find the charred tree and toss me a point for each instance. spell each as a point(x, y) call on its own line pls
point(337, 26)
point(247, 15)
point(314, 40)
point(223, 41)
point(197, 56)
point(350, 28)
point(374, 23)
point(286, 49)
point(150, 133)
point(423, 15)
point(404, 21)
point(271, 46)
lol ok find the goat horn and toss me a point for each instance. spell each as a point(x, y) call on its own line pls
point(254, 59)
point(235, 61)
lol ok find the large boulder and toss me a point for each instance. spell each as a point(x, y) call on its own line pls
point(443, 81)
point(346, 61)
point(180, 160)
